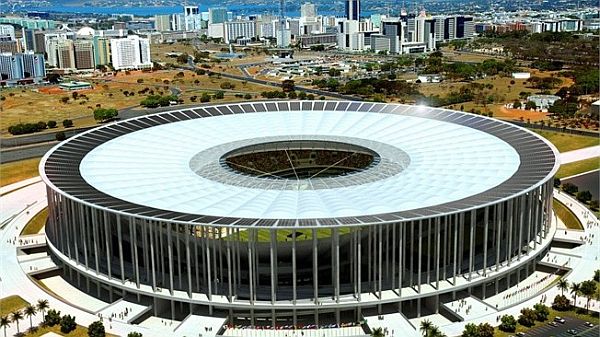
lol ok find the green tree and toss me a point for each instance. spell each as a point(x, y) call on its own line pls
point(67, 123)
point(51, 124)
point(557, 183)
point(597, 275)
point(570, 188)
point(530, 105)
point(516, 104)
point(377, 332)
point(60, 136)
point(588, 289)
point(575, 290)
point(288, 85)
point(527, 317)
point(42, 304)
point(134, 334)
point(183, 58)
point(204, 97)
point(471, 330)
point(561, 303)
point(508, 323)
point(30, 311)
point(584, 196)
point(15, 317)
point(96, 329)
point(425, 327)
point(562, 285)
point(102, 114)
point(541, 311)
point(52, 317)
point(67, 324)
point(219, 95)
point(4, 323)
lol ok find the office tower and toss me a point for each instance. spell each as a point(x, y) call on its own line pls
point(66, 54)
point(11, 46)
point(192, 18)
point(239, 29)
point(308, 11)
point(11, 67)
point(33, 65)
point(84, 54)
point(162, 23)
point(131, 52)
point(393, 29)
point(101, 50)
point(7, 32)
point(217, 15)
point(353, 9)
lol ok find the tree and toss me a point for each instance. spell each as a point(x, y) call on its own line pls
point(42, 125)
point(561, 303)
point(204, 97)
point(471, 330)
point(64, 99)
point(67, 324)
point(425, 327)
point(377, 332)
point(527, 317)
point(30, 311)
point(4, 323)
point(541, 311)
point(508, 323)
point(51, 124)
point(15, 317)
point(435, 332)
point(516, 104)
point(247, 96)
point(227, 85)
point(42, 304)
point(584, 196)
point(102, 114)
point(96, 329)
point(485, 330)
point(183, 58)
point(134, 334)
point(530, 105)
point(562, 285)
point(219, 95)
point(588, 289)
point(575, 290)
point(557, 182)
point(288, 85)
point(570, 188)
point(52, 317)
point(67, 123)
point(597, 275)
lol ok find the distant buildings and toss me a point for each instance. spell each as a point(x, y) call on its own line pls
point(352, 9)
point(131, 52)
point(234, 30)
point(21, 66)
point(217, 15)
point(7, 32)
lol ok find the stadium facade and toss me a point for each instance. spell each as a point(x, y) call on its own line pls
point(299, 211)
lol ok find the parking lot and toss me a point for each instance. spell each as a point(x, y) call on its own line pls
point(562, 330)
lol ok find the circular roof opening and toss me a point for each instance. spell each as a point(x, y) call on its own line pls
point(300, 159)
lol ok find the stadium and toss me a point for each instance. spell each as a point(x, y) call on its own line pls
point(300, 211)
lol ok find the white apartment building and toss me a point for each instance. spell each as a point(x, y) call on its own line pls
point(7, 31)
point(239, 29)
point(131, 52)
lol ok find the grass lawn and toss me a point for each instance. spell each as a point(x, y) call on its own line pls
point(578, 167)
point(18, 170)
point(11, 303)
point(36, 223)
point(567, 142)
point(565, 214)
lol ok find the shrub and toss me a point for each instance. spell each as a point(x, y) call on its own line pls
point(584, 196)
point(310, 97)
point(60, 136)
point(96, 329)
point(570, 188)
point(541, 312)
point(205, 98)
point(51, 124)
point(557, 182)
point(67, 324)
point(247, 96)
point(227, 85)
point(219, 95)
point(508, 323)
point(102, 114)
point(134, 334)
point(527, 317)
point(24, 128)
point(561, 303)
point(67, 123)
point(52, 317)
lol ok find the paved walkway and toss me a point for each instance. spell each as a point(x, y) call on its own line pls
point(581, 154)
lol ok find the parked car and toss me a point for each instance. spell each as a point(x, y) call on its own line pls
point(572, 332)
point(553, 323)
point(559, 320)
point(589, 325)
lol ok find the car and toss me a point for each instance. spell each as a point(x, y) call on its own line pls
point(553, 324)
point(572, 331)
point(559, 320)
point(589, 325)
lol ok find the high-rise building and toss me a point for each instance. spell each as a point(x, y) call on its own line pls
point(192, 18)
point(29, 39)
point(217, 15)
point(353, 9)
point(234, 30)
point(20, 66)
point(7, 32)
point(162, 23)
point(84, 54)
point(10, 46)
point(39, 42)
point(66, 54)
point(101, 50)
point(393, 29)
point(131, 52)
point(308, 11)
